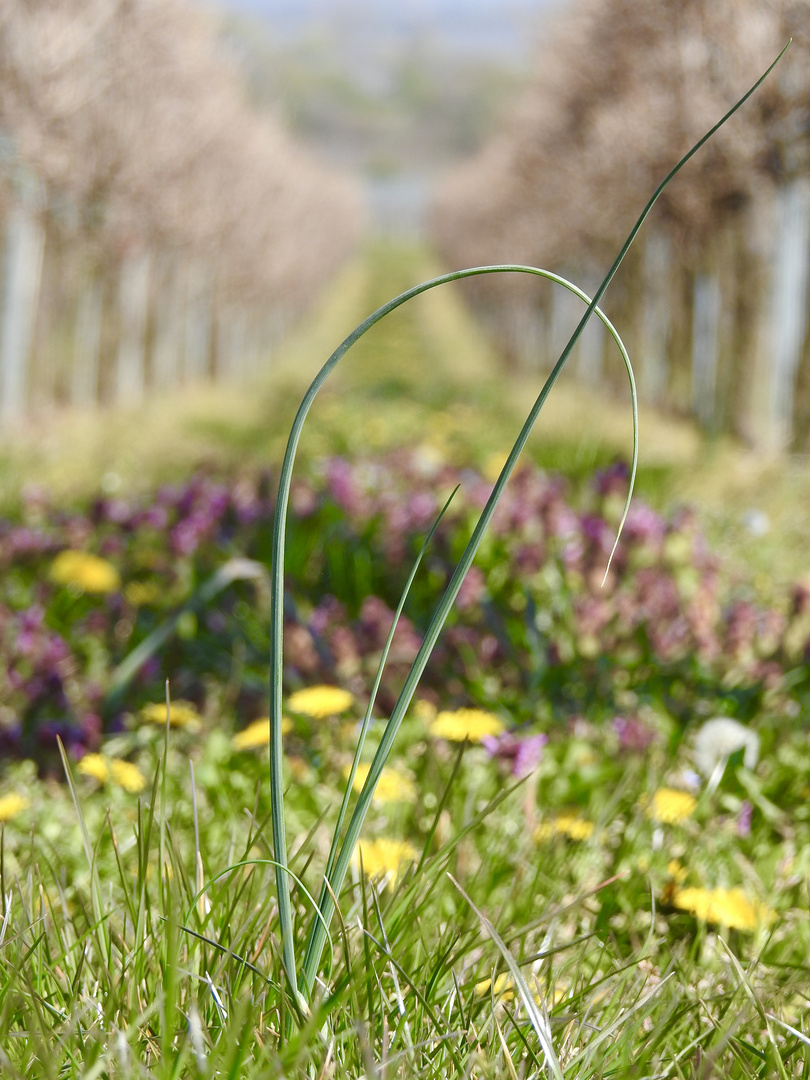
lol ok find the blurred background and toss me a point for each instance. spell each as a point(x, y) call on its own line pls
point(199, 200)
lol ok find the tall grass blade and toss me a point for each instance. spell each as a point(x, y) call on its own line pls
point(442, 610)
point(237, 569)
point(95, 884)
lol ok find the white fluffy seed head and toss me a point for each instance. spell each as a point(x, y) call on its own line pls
point(721, 737)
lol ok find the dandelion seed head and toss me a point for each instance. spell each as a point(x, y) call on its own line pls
point(721, 737)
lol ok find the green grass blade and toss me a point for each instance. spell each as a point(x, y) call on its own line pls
point(538, 1020)
point(233, 570)
point(256, 862)
point(95, 885)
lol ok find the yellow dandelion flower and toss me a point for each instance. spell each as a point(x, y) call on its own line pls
point(127, 776)
point(568, 823)
point(671, 807)
point(501, 987)
point(11, 805)
point(85, 571)
point(677, 872)
point(723, 907)
point(320, 701)
point(94, 765)
point(143, 593)
point(393, 786)
point(123, 773)
point(257, 735)
point(383, 858)
point(461, 724)
point(504, 988)
point(182, 714)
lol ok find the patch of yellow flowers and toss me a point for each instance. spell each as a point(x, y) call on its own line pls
point(256, 736)
point(669, 806)
point(123, 773)
point(383, 858)
point(567, 823)
point(182, 714)
point(11, 806)
point(393, 785)
point(723, 907)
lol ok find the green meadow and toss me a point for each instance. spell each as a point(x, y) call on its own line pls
point(558, 874)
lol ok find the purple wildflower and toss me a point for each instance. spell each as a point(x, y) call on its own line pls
point(524, 753)
point(613, 480)
point(634, 735)
point(744, 817)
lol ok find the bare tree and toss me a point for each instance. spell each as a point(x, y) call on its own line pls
point(137, 127)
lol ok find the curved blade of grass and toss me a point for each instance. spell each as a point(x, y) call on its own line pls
point(237, 569)
point(315, 942)
point(314, 945)
point(277, 572)
point(241, 960)
point(373, 697)
point(258, 862)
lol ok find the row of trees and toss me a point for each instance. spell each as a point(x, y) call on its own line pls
point(153, 222)
point(714, 300)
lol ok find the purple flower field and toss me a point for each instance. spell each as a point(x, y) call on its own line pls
point(534, 632)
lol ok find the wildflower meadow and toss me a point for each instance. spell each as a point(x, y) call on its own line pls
point(579, 845)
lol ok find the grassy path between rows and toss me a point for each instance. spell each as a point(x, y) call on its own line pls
point(426, 374)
